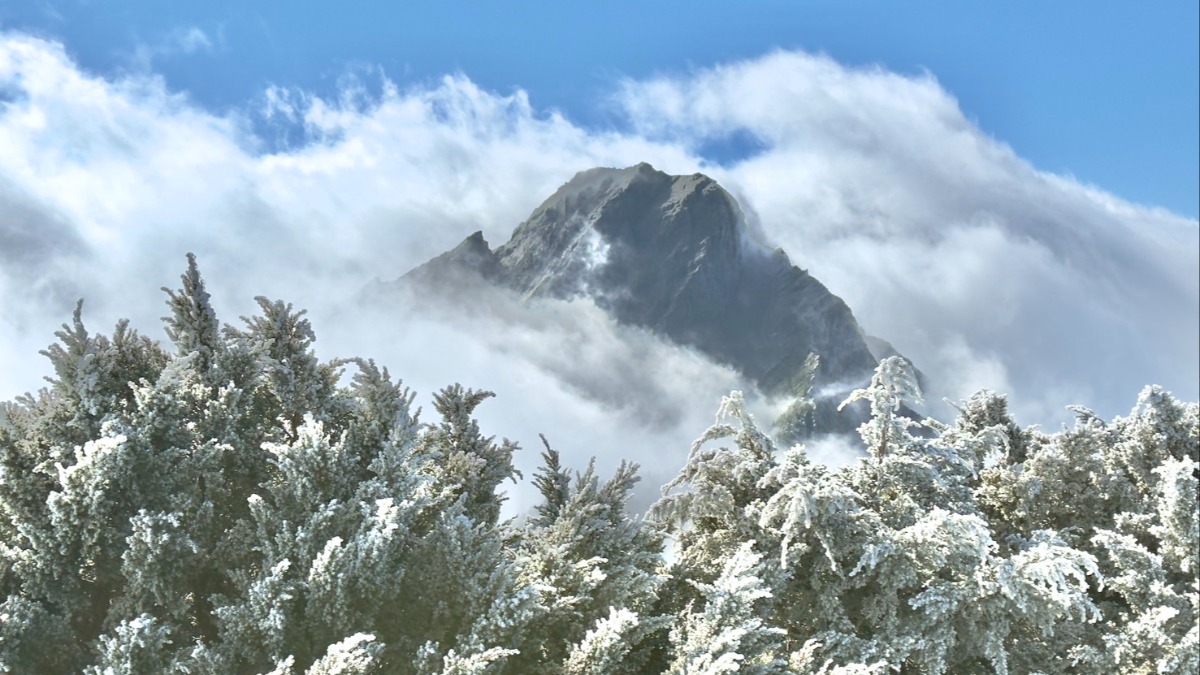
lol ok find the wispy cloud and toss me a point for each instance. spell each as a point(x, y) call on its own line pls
point(983, 269)
point(190, 40)
point(181, 41)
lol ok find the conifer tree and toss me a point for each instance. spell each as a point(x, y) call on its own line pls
point(601, 571)
point(228, 508)
point(231, 507)
point(193, 325)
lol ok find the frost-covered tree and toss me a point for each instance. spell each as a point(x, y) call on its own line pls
point(1142, 524)
point(930, 554)
point(893, 383)
point(232, 504)
point(601, 571)
point(729, 635)
point(193, 325)
point(710, 506)
point(228, 506)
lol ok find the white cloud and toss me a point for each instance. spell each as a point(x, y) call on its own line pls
point(941, 239)
point(137, 177)
point(984, 270)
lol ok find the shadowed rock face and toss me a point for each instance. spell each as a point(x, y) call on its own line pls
point(671, 254)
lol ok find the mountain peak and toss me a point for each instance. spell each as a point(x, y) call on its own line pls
point(668, 253)
point(473, 255)
point(644, 215)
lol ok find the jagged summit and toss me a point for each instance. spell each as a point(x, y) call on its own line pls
point(473, 255)
point(671, 254)
point(609, 225)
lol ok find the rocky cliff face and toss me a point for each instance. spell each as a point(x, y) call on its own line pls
point(671, 254)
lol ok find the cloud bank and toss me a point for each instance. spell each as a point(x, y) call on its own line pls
point(985, 271)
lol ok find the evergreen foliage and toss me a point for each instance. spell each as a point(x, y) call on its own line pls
point(231, 507)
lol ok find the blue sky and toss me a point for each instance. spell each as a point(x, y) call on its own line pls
point(1104, 91)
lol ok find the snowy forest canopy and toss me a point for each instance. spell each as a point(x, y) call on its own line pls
point(228, 506)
